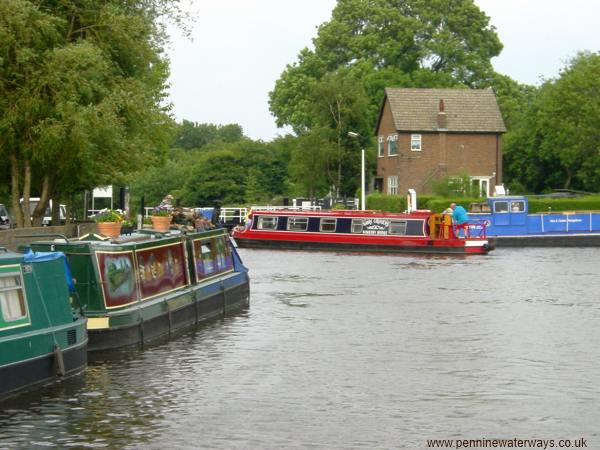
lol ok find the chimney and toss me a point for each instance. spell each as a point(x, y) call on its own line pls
point(441, 117)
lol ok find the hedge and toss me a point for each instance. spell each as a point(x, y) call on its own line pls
point(591, 203)
point(397, 203)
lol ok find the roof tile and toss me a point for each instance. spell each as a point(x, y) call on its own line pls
point(467, 110)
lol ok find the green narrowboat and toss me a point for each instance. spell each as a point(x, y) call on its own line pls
point(134, 289)
point(42, 334)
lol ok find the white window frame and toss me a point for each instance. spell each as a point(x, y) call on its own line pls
point(264, 220)
point(398, 227)
point(416, 142)
point(392, 185)
point(392, 138)
point(480, 181)
point(327, 221)
point(381, 147)
point(11, 296)
point(356, 226)
point(297, 223)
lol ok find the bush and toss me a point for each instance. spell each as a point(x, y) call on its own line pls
point(396, 203)
point(591, 203)
point(438, 205)
point(384, 202)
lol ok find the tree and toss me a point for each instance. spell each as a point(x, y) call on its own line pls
point(308, 165)
point(192, 135)
point(84, 83)
point(569, 121)
point(555, 141)
point(424, 43)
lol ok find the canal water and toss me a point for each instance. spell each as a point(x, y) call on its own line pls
point(348, 351)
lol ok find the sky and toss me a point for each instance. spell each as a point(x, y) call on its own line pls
point(239, 48)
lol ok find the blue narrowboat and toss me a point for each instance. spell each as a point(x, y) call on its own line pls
point(510, 224)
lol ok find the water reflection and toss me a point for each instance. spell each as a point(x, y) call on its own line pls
point(351, 351)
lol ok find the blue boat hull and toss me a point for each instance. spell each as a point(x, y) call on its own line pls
point(550, 229)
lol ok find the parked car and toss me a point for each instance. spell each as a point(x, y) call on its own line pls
point(33, 202)
point(6, 221)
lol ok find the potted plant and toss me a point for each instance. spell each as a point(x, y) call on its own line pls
point(127, 226)
point(109, 222)
point(161, 219)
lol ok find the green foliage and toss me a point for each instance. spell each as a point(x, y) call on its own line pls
point(161, 212)
point(365, 47)
point(441, 204)
point(556, 141)
point(384, 202)
point(454, 186)
point(85, 82)
point(436, 43)
point(109, 215)
point(191, 135)
point(588, 203)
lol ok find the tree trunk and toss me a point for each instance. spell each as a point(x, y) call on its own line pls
point(26, 193)
point(568, 179)
point(40, 209)
point(56, 209)
point(15, 190)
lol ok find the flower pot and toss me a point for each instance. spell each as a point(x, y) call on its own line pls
point(161, 223)
point(109, 229)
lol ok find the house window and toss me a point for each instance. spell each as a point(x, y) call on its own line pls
point(328, 225)
point(357, 226)
point(393, 145)
point(393, 185)
point(266, 223)
point(381, 147)
point(297, 223)
point(397, 227)
point(480, 186)
point(12, 300)
point(415, 142)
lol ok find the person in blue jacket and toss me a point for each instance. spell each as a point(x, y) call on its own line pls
point(459, 214)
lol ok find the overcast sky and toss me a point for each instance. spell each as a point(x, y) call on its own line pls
point(240, 48)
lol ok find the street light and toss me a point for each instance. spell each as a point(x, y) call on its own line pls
point(354, 135)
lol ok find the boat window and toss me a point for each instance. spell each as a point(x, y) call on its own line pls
point(518, 206)
point(357, 226)
point(12, 301)
point(297, 223)
point(397, 227)
point(267, 223)
point(224, 260)
point(328, 225)
point(208, 260)
point(501, 207)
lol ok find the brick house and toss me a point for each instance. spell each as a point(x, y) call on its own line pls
point(424, 134)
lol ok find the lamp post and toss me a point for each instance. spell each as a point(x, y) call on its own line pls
point(354, 135)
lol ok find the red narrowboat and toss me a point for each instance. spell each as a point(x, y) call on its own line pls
point(376, 231)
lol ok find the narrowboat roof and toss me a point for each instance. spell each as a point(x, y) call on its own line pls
point(344, 213)
point(8, 257)
point(507, 197)
point(146, 238)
